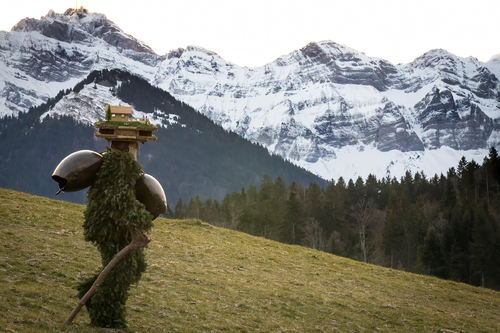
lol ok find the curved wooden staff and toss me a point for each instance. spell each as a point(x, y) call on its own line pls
point(139, 240)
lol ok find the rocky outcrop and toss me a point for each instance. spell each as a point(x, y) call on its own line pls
point(80, 27)
point(457, 124)
point(395, 133)
point(345, 66)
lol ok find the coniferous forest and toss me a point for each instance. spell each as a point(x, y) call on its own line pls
point(446, 226)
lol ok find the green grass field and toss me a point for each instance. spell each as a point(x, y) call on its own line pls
point(205, 279)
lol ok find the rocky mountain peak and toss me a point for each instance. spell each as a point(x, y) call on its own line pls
point(313, 48)
point(81, 26)
point(495, 57)
point(326, 51)
point(456, 71)
point(442, 60)
point(195, 48)
point(190, 51)
point(177, 53)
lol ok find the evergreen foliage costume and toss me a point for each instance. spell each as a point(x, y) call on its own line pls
point(112, 207)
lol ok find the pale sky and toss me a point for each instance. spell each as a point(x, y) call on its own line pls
point(253, 33)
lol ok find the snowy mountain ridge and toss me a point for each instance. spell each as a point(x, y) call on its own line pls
point(326, 107)
point(325, 104)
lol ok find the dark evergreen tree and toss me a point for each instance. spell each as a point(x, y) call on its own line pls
point(180, 209)
point(352, 194)
point(407, 186)
point(372, 189)
point(394, 229)
point(421, 184)
point(494, 162)
point(194, 208)
point(266, 187)
point(467, 186)
point(210, 212)
point(291, 228)
point(484, 249)
point(457, 238)
point(432, 254)
point(449, 194)
point(315, 201)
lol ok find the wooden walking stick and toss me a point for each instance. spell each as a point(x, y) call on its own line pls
point(139, 240)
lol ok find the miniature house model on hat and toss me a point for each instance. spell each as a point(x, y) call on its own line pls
point(124, 132)
point(120, 113)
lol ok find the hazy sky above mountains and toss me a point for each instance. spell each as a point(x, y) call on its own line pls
point(256, 32)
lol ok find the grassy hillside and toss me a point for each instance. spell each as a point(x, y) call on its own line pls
point(203, 278)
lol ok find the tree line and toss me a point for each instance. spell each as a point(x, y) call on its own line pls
point(447, 226)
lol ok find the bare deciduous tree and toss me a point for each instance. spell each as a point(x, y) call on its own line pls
point(314, 237)
point(364, 213)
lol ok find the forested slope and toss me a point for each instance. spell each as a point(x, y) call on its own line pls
point(447, 225)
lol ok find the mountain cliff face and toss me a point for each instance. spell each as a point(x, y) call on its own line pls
point(324, 103)
point(326, 107)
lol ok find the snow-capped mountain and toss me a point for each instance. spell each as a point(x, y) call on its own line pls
point(338, 112)
point(38, 58)
point(326, 107)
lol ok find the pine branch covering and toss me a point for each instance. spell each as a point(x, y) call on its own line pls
point(110, 201)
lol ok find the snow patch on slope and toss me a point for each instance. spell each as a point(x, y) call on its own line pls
point(355, 161)
point(88, 106)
